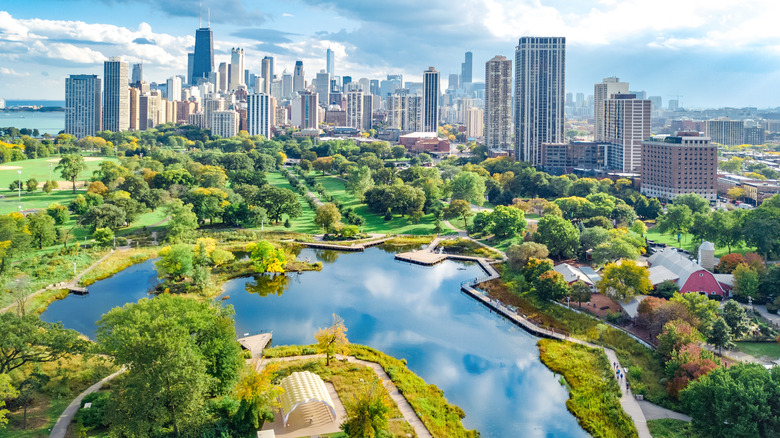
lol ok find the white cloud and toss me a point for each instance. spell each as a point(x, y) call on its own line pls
point(11, 72)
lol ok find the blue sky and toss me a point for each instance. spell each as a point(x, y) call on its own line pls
point(708, 52)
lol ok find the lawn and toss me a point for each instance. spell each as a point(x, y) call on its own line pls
point(670, 428)
point(760, 349)
point(10, 203)
point(303, 224)
point(376, 223)
point(687, 243)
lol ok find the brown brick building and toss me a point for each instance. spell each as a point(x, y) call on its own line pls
point(676, 165)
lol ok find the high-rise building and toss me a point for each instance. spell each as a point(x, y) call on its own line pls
point(677, 165)
point(224, 123)
point(725, 132)
point(656, 102)
point(82, 105)
point(540, 87)
point(260, 114)
point(430, 117)
point(222, 81)
point(236, 68)
point(138, 74)
point(359, 110)
point(304, 110)
point(174, 89)
point(374, 87)
point(323, 87)
point(203, 57)
point(627, 124)
point(135, 95)
point(287, 84)
point(602, 92)
point(116, 96)
point(151, 111)
point(190, 67)
point(299, 80)
point(267, 72)
point(211, 106)
point(498, 103)
point(466, 69)
point(405, 111)
point(754, 135)
point(475, 119)
point(453, 82)
point(330, 62)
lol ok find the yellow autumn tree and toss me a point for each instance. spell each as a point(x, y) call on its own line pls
point(266, 258)
point(332, 340)
point(257, 396)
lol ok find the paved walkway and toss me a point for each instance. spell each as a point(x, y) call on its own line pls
point(628, 401)
point(406, 409)
point(61, 285)
point(761, 308)
point(59, 429)
point(655, 412)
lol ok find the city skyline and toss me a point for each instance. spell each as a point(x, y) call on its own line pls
point(666, 55)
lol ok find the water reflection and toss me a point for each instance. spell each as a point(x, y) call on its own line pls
point(264, 285)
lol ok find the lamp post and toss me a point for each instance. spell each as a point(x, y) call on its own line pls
point(20, 185)
point(50, 166)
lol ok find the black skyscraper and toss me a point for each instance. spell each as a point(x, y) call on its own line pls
point(466, 69)
point(203, 62)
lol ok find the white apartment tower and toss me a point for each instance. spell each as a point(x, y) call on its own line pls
point(430, 115)
point(602, 92)
point(260, 114)
point(224, 123)
point(498, 103)
point(236, 68)
point(82, 105)
point(116, 95)
point(627, 124)
point(304, 110)
point(540, 94)
point(174, 89)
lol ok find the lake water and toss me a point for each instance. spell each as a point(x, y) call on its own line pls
point(45, 122)
point(484, 364)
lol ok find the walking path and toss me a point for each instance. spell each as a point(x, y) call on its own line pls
point(403, 405)
point(309, 193)
point(61, 285)
point(59, 429)
point(655, 412)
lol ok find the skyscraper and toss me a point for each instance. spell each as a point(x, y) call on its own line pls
point(174, 89)
point(466, 69)
point(304, 110)
point(498, 103)
point(330, 62)
point(138, 74)
point(626, 125)
point(287, 84)
point(267, 72)
point(259, 114)
point(602, 92)
point(236, 68)
point(190, 66)
point(116, 96)
point(82, 105)
point(540, 92)
point(222, 81)
point(299, 80)
point(203, 57)
point(323, 87)
point(430, 100)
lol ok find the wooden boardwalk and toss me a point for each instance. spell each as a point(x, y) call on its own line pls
point(355, 247)
point(256, 343)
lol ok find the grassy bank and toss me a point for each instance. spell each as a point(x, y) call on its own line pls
point(671, 428)
point(760, 349)
point(441, 418)
point(117, 261)
point(594, 395)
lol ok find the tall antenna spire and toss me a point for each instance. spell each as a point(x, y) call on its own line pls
point(200, 16)
point(209, 9)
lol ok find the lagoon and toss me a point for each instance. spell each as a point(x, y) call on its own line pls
point(483, 363)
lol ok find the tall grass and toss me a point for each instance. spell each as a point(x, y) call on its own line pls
point(117, 261)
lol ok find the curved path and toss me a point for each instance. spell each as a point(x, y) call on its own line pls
point(59, 429)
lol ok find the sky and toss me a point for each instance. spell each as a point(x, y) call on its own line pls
point(706, 53)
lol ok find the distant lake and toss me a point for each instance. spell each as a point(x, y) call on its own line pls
point(483, 363)
point(45, 122)
point(60, 103)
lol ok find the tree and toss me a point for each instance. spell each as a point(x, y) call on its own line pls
point(732, 165)
point(720, 336)
point(615, 249)
point(332, 340)
point(468, 186)
point(689, 364)
point(519, 255)
point(678, 218)
point(32, 185)
point(551, 286)
point(359, 181)
point(580, 292)
point(182, 221)
point(6, 392)
point(367, 411)
point(27, 339)
point(176, 262)
point(398, 151)
point(761, 228)
point(623, 282)
point(458, 208)
point(675, 335)
point(327, 216)
point(694, 201)
point(103, 236)
point(700, 307)
point(41, 228)
point(266, 258)
point(177, 351)
point(735, 402)
point(746, 281)
point(667, 289)
point(638, 227)
point(70, 166)
point(279, 201)
point(103, 216)
point(257, 397)
point(736, 318)
point(592, 237)
point(323, 164)
point(506, 221)
point(559, 235)
point(736, 193)
point(59, 213)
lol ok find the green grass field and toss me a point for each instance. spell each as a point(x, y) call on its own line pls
point(304, 223)
point(670, 428)
point(760, 349)
point(687, 243)
point(376, 223)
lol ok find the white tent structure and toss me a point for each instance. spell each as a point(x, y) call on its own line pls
point(306, 396)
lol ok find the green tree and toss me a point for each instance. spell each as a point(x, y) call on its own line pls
point(580, 292)
point(59, 213)
point(70, 166)
point(398, 151)
point(6, 392)
point(182, 221)
point(761, 228)
point(176, 262)
point(518, 255)
point(332, 340)
point(694, 201)
point(103, 216)
point(746, 281)
point(359, 181)
point(367, 411)
point(468, 186)
point(592, 237)
point(327, 216)
point(559, 235)
point(506, 221)
point(551, 286)
point(323, 164)
point(720, 336)
point(667, 289)
point(177, 351)
point(32, 185)
point(28, 340)
point(615, 249)
point(736, 318)
point(624, 281)
point(638, 227)
point(675, 335)
point(279, 201)
point(678, 218)
point(735, 402)
point(305, 165)
point(103, 236)
point(41, 228)
point(458, 208)
point(700, 306)
point(266, 258)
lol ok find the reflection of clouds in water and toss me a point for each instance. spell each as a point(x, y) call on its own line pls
point(385, 339)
